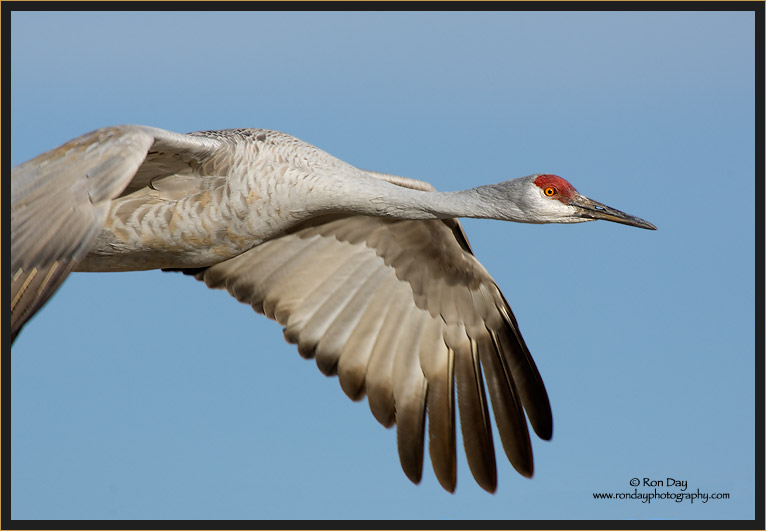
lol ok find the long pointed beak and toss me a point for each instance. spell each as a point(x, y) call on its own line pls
point(588, 208)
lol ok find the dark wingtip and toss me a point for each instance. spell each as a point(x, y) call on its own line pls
point(413, 474)
point(526, 469)
point(450, 485)
point(544, 430)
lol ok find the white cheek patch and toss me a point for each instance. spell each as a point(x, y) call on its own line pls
point(544, 209)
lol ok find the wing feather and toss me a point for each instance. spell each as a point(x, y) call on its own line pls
point(379, 381)
point(60, 200)
point(309, 321)
point(410, 389)
point(509, 415)
point(353, 360)
point(338, 317)
point(472, 405)
point(438, 364)
point(524, 372)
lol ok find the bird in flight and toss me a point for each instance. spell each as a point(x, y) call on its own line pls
point(369, 273)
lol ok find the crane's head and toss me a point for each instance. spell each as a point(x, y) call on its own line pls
point(546, 198)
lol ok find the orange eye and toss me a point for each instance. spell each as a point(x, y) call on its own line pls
point(550, 191)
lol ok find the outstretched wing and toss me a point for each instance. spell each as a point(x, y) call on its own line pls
point(60, 200)
point(402, 311)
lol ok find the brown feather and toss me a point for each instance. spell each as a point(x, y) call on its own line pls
point(438, 364)
point(472, 405)
point(410, 389)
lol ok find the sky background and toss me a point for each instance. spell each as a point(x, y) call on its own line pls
point(147, 395)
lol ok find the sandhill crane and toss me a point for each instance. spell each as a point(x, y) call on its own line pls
point(369, 273)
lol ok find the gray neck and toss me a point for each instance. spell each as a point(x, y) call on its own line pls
point(374, 197)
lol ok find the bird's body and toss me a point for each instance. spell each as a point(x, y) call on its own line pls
point(369, 273)
point(252, 188)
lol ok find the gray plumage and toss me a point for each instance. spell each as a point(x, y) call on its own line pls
point(369, 273)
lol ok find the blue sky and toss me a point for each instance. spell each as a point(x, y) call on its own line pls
point(146, 395)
